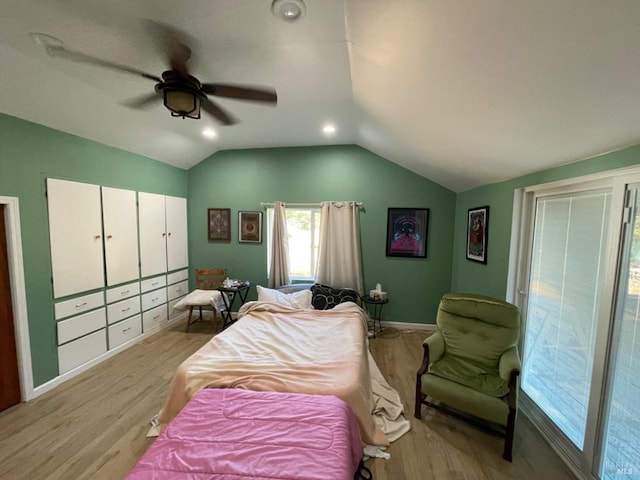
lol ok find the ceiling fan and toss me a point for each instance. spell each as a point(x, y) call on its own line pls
point(183, 94)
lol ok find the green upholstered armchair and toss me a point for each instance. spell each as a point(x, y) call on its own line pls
point(471, 363)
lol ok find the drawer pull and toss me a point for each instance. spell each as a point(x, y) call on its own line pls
point(155, 299)
point(178, 290)
point(156, 317)
point(80, 305)
point(126, 330)
point(155, 283)
point(125, 309)
point(125, 292)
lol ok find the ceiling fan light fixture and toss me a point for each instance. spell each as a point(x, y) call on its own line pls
point(288, 10)
point(182, 103)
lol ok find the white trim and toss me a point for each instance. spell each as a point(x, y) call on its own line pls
point(60, 379)
point(591, 177)
point(18, 295)
point(426, 327)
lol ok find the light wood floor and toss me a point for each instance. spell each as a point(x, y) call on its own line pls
point(93, 426)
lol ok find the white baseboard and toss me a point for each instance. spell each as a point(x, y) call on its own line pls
point(426, 327)
point(60, 379)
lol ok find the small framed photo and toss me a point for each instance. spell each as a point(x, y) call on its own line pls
point(219, 222)
point(407, 231)
point(477, 234)
point(250, 227)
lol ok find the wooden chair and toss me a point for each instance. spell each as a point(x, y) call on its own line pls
point(207, 279)
point(470, 364)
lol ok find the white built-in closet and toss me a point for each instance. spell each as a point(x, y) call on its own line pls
point(106, 295)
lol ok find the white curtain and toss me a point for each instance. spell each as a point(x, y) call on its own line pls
point(339, 254)
point(279, 268)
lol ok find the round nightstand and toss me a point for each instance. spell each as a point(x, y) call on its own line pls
point(374, 309)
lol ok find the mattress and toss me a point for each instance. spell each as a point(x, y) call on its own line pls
point(273, 348)
point(232, 434)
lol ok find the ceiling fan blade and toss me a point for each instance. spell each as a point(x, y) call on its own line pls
point(217, 112)
point(255, 94)
point(172, 44)
point(143, 102)
point(74, 56)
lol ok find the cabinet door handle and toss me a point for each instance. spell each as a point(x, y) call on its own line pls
point(169, 234)
point(80, 305)
point(97, 237)
point(164, 234)
point(109, 237)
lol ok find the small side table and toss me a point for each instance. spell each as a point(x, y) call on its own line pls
point(240, 292)
point(374, 309)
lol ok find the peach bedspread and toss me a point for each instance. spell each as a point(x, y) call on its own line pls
point(274, 348)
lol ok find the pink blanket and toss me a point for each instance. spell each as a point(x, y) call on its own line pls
point(230, 434)
point(277, 349)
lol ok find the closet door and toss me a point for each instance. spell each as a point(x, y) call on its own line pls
point(153, 232)
point(75, 233)
point(120, 220)
point(176, 217)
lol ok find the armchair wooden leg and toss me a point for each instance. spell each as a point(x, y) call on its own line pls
point(418, 406)
point(508, 438)
point(189, 319)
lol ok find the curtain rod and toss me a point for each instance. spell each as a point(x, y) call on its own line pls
point(270, 204)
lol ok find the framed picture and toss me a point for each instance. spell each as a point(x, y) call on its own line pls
point(250, 227)
point(407, 231)
point(219, 221)
point(477, 234)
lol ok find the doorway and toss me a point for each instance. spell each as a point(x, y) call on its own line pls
point(9, 372)
point(578, 283)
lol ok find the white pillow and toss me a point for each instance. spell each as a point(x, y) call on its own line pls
point(201, 298)
point(300, 300)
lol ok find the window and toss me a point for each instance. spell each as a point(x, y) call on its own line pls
point(303, 228)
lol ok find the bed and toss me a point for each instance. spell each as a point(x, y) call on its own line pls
point(234, 434)
point(275, 347)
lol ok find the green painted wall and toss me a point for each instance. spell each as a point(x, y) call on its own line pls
point(491, 279)
point(242, 179)
point(28, 154)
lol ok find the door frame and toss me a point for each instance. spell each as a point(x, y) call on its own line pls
point(584, 465)
point(18, 295)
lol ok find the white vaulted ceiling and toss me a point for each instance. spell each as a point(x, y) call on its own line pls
point(463, 92)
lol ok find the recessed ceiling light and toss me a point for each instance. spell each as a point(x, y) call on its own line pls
point(288, 10)
point(328, 129)
point(209, 133)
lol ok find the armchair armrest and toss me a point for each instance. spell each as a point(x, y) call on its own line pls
point(433, 349)
point(509, 361)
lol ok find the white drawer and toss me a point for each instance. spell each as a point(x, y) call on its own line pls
point(123, 309)
point(122, 292)
point(75, 327)
point(79, 305)
point(154, 318)
point(176, 313)
point(177, 290)
point(81, 351)
point(178, 276)
point(124, 331)
point(153, 283)
point(153, 299)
